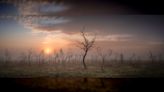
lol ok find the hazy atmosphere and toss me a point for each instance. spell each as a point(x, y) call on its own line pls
point(41, 25)
point(65, 32)
point(81, 45)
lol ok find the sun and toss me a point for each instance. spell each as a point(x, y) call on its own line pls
point(47, 51)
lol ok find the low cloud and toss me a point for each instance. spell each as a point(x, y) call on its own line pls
point(52, 8)
point(41, 7)
point(40, 15)
point(44, 19)
point(43, 24)
point(116, 37)
point(156, 43)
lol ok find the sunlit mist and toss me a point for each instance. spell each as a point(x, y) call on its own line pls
point(48, 51)
point(66, 37)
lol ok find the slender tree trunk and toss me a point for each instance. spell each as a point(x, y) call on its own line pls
point(85, 67)
point(102, 65)
point(121, 58)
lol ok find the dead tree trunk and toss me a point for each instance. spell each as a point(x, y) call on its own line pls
point(84, 56)
point(85, 45)
point(121, 58)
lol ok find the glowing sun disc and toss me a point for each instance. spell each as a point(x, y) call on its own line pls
point(47, 51)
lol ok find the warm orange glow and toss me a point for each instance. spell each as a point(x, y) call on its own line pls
point(55, 43)
point(47, 51)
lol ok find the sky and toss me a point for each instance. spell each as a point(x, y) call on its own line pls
point(54, 24)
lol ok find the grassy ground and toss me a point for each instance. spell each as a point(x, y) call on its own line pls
point(124, 70)
point(116, 77)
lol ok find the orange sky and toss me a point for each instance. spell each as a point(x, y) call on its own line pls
point(52, 26)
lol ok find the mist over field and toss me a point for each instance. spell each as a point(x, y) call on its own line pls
point(81, 45)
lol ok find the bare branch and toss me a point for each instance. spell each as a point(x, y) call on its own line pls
point(85, 45)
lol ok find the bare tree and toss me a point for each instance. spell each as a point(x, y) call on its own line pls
point(56, 56)
point(29, 55)
point(7, 55)
point(121, 58)
point(23, 57)
point(41, 57)
point(110, 52)
point(85, 45)
point(103, 56)
point(62, 57)
point(133, 57)
point(151, 56)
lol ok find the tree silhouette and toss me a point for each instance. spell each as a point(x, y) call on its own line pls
point(41, 57)
point(85, 45)
point(121, 58)
point(29, 55)
point(103, 56)
point(7, 55)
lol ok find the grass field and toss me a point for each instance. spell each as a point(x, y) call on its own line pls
point(72, 77)
point(114, 70)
